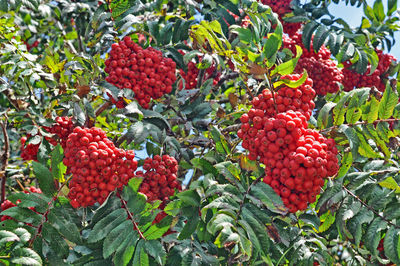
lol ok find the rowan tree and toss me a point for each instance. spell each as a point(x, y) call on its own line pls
point(139, 132)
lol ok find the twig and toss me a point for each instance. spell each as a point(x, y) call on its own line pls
point(200, 77)
point(103, 107)
point(231, 128)
point(370, 208)
point(226, 77)
point(361, 123)
point(4, 159)
point(245, 195)
point(44, 217)
point(130, 216)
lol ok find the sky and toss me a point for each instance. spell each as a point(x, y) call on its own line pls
point(352, 15)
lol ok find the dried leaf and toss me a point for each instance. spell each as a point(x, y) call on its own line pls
point(220, 112)
point(233, 99)
point(82, 90)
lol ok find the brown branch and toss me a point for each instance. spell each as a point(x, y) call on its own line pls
point(44, 217)
point(136, 227)
point(103, 107)
point(361, 123)
point(227, 77)
point(369, 207)
point(231, 128)
point(4, 160)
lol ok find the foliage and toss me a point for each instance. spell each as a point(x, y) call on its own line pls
point(52, 64)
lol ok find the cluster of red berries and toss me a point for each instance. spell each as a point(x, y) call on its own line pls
point(96, 165)
point(296, 159)
point(352, 79)
point(296, 99)
point(299, 175)
point(159, 180)
point(322, 70)
point(61, 129)
point(190, 76)
point(29, 151)
point(145, 71)
point(119, 103)
point(8, 204)
point(34, 44)
point(282, 8)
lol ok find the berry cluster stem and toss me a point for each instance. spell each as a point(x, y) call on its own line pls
point(369, 207)
point(131, 216)
point(44, 217)
point(4, 159)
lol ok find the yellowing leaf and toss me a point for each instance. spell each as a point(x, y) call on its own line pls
point(390, 183)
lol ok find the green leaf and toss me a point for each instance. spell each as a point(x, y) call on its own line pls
point(137, 132)
point(323, 115)
point(308, 33)
point(378, 10)
point(23, 234)
point(79, 114)
point(4, 5)
point(369, 12)
point(288, 66)
point(55, 241)
point(362, 63)
point(45, 178)
point(392, 7)
point(352, 136)
point(26, 256)
point(189, 197)
point(60, 219)
point(372, 236)
point(346, 52)
point(373, 111)
point(320, 36)
point(155, 249)
point(116, 239)
point(245, 34)
point(365, 149)
point(58, 169)
point(159, 229)
point(268, 197)
point(327, 219)
point(272, 45)
point(345, 164)
point(353, 115)
point(6, 236)
point(355, 223)
point(292, 83)
point(390, 183)
point(387, 103)
point(190, 227)
point(133, 109)
point(218, 222)
point(391, 245)
point(23, 215)
point(106, 225)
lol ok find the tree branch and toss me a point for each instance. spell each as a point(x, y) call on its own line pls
point(369, 207)
point(44, 217)
point(360, 123)
point(136, 227)
point(231, 128)
point(102, 108)
point(4, 159)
